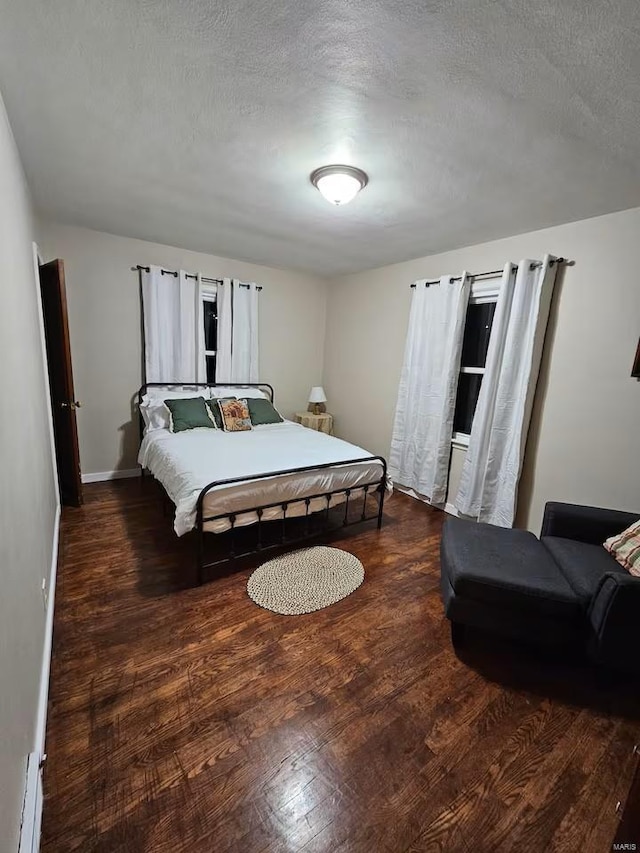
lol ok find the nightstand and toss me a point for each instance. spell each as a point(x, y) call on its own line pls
point(321, 423)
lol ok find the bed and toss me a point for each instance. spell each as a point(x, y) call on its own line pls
point(281, 478)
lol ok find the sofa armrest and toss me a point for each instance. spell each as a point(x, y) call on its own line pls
point(585, 523)
point(614, 619)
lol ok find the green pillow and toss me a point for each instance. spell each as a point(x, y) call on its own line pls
point(215, 409)
point(262, 411)
point(188, 413)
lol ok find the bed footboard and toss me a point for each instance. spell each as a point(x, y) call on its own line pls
point(298, 521)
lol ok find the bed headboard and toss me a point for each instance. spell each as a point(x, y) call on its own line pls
point(188, 386)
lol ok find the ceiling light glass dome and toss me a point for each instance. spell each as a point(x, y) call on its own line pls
point(339, 184)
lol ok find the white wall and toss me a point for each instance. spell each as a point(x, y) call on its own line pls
point(104, 317)
point(28, 496)
point(584, 444)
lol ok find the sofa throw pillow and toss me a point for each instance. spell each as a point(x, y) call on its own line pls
point(262, 412)
point(189, 413)
point(235, 415)
point(625, 547)
point(214, 408)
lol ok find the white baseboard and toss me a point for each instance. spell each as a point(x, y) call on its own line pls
point(41, 719)
point(450, 509)
point(29, 841)
point(101, 476)
point(32, 804)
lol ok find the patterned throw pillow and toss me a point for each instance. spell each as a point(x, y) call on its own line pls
point(214, 408)
point(235, 415)
point(625, 547)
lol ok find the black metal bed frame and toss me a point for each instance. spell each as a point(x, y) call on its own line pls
point(377, 487)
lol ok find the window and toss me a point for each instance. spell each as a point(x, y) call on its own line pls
point(210, 319)
point(477, 330)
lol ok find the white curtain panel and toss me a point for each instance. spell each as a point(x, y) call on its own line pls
point(201, 359)
point(423, 425)
point(467, 501)
point(158, 310)
point(169, 308)
point(244, 349)
point(224, 308)
point(189, 355)
point(489, 482)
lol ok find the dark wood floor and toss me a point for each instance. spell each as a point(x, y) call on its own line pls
point(188, 719)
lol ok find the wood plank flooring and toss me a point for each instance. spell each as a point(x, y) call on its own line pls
point(186, 718)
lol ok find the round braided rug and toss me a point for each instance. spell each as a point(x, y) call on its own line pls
point(305, 580)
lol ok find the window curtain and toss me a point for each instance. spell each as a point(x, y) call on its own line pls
point(423, 425)
point(224, 308)
point(192, 326)
point(237, 358)
point(244, 348)
point(489, 482)
point(174, 347)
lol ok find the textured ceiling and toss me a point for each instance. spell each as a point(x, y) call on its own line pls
point(197, 123)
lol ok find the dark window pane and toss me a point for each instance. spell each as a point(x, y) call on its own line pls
point(210, 326)
point(468, 390)
point(211, 368)
point(476, 334)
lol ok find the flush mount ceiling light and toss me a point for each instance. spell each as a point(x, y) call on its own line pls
point(339, 184)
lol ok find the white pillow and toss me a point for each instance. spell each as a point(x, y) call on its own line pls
point(172, 393)
point(153, 410)
point(155, 415)
point(238, 391)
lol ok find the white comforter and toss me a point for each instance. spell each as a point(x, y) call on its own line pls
point(188, 461)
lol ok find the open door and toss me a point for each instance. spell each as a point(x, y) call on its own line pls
point(63, 401)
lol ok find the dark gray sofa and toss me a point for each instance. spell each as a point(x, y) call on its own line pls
point(562, 589)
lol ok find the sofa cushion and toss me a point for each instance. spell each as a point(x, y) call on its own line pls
point(505, 567)
point(524, 626)
point(582, 565)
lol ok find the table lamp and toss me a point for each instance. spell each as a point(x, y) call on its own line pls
point(317, 400)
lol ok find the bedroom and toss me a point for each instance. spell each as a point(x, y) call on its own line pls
point(183, 716)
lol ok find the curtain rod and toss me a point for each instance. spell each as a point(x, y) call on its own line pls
point(493, 273)
point(140, 268)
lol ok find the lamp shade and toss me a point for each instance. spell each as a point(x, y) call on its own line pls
point(317, 395)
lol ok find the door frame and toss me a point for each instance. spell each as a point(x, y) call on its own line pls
point(37, 261)
point(60, 380)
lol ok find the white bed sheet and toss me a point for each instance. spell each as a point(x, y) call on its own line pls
point(188, 461)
